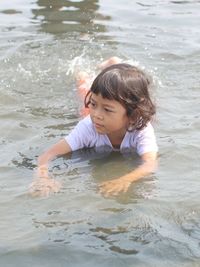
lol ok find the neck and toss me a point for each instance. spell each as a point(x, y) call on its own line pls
point(116, 138)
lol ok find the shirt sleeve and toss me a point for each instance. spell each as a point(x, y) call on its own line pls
point(81, 136)
point(146, 140)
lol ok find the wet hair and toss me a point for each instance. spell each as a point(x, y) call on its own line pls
point(130, 87)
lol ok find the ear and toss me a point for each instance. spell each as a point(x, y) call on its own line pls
point(131, 121)
point(131, 125)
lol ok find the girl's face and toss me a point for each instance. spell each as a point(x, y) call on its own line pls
point(109, 116)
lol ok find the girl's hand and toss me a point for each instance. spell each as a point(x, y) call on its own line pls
point(114, 187)
point(43, 185)
point(122, 184)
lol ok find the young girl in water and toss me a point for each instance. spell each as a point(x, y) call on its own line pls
point(120, 113)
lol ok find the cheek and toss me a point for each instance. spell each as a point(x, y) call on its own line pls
point(91, 110)
point(119, 120)
point(125, 121)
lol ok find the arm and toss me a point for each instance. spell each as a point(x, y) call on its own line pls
point(148, 166)
point(58, 149)
point(43, 184)
point(78, 138)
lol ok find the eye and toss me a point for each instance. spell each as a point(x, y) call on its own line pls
point(108, 110)
point(93, 104)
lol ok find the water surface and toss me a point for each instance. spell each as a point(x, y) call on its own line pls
point(156, 223)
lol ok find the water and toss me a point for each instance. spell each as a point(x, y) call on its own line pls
point(157, 223)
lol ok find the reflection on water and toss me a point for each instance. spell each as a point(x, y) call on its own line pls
point(59, 16)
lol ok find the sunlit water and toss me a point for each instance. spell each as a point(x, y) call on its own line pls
point(42, 44)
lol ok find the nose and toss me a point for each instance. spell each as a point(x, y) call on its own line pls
point(98, 114)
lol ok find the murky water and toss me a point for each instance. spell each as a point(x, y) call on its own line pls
point(42, 44)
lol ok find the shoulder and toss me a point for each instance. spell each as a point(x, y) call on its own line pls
point(147, 130)
point(83, 135)
point(87, 120)
point(138, 134)
point(86, 124)
point(146, 140)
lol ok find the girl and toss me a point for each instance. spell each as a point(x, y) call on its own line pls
point(120, 111)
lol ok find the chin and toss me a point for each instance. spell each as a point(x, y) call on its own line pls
point(99, 131)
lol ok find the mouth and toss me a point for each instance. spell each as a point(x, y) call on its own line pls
point(97, 125)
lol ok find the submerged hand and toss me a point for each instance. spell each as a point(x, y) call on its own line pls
point(114, 187)
point(43, 185)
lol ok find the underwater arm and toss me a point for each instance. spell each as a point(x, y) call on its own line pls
point(43, 184)
point(58, 149)
point(148, 166)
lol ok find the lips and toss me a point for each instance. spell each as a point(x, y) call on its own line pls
point(97, 125)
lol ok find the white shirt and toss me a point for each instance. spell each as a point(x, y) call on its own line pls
point(84, 135)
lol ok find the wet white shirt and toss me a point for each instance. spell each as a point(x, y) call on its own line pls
point(84, 135)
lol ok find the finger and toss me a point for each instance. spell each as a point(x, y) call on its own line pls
point(111, 192)
point(103, 184)
point(37, 190)
point(105, 188)
point(114, 190)
point(107, 185)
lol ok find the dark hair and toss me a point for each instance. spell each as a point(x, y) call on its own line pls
point(129, 86)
